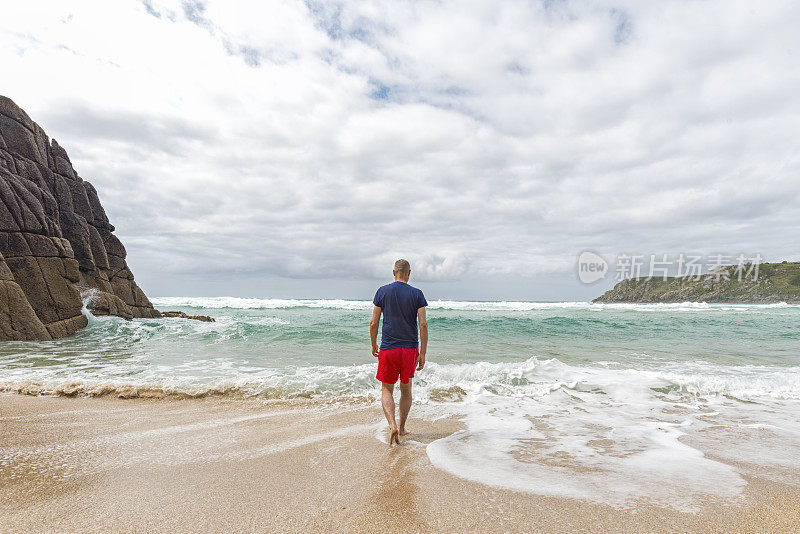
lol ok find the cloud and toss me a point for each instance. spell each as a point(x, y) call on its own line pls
point(79, 122)
point(480, 140)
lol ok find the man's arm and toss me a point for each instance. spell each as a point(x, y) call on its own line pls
point(423, 337)
point(373, 329)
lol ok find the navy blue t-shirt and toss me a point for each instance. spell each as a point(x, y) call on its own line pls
point(400, 303)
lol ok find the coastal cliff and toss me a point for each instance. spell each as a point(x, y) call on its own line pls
point(776, 282)
point(56, 241)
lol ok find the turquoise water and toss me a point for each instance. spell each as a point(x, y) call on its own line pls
point(263, 346)
point(596, 401)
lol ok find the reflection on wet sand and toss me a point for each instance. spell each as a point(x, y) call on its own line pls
point(398, 490)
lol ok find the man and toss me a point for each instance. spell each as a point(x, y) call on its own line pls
point(402, 306)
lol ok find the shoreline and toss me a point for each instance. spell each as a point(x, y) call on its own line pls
point(212, 464)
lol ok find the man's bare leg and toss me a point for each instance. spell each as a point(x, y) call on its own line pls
point(405, 405)
point(387, 401)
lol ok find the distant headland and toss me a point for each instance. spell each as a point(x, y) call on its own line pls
point(773, 283)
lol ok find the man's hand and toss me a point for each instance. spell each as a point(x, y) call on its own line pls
point(423, 337)
point(373, 329)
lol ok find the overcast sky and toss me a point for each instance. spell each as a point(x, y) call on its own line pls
point(287, 148)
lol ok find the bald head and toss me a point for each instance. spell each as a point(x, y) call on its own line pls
point(402, 270)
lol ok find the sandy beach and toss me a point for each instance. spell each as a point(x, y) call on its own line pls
point(105, 464)
point(227, 227)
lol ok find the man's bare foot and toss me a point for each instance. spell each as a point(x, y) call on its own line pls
point(403, 431)
point(394, 436)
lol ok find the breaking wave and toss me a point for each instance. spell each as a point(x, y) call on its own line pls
point(532, 378)
point(266, 303)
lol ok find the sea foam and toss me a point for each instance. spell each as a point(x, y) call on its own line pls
point(343, 304)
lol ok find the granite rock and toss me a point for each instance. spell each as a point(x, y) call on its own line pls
point(56, 242)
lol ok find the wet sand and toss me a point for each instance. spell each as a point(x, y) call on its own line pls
point(104, 464)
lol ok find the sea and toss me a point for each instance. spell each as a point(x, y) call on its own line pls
point(606, 402)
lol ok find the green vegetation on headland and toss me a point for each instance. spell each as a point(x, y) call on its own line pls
point(776, 282)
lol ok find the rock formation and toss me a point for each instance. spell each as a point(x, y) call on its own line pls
point(55, 240)
point(773, 283)
point(184, 315)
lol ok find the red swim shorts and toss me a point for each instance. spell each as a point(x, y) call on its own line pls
point(397, 362)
